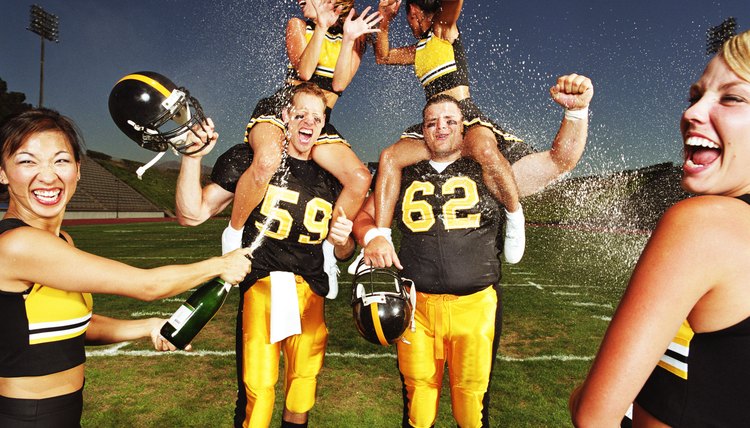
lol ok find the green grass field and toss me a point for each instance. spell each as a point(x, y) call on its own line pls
point(558, 301)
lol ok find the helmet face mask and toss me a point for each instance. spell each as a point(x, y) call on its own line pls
point(155, 113)
point(381, 317)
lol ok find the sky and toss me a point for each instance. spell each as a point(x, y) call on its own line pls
point(641, 56)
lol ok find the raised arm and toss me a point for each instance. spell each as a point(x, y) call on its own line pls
point(445, 22)
point(195, 204)
point(535, 171)
point(304, 55)
point(383, 52)
point(352, 47)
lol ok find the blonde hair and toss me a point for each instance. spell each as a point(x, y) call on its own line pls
point(346, 6)
point(736, 53)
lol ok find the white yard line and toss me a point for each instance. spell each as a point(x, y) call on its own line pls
point(116, 351)
point(531, 284)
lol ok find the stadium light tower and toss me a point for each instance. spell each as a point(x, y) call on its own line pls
point(44, 24)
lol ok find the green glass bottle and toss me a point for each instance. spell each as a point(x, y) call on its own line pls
point(195, 313)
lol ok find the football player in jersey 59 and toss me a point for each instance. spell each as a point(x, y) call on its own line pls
point(286, 231)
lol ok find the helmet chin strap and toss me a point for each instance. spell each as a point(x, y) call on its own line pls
point(413, 299)
point(142, 170)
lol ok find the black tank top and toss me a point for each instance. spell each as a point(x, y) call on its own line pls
point(42, 329)
point(703, 379)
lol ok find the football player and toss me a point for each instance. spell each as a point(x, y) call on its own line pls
point(449, 224)
point(286, 231)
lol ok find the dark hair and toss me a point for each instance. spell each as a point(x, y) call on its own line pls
point(17, 129)
point(439, 99)
point(427, 6)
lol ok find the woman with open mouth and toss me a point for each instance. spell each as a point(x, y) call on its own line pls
point(678, 345)
point(46, 308)
point(324, 48)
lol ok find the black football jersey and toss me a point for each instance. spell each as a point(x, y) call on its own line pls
point(449, 223)
point(287, 228)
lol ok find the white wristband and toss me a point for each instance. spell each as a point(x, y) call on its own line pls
point(579, 114)
point(375, 232)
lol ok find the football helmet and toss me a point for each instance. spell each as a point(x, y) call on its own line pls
point(382, 317)
point(154, 112)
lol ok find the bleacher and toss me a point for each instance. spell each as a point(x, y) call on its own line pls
point(101, 195)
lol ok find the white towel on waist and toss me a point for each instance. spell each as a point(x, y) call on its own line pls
point(285, 317)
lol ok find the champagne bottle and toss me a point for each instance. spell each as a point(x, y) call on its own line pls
point(195, 313)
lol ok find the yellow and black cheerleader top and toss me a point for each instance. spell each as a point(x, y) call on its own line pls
point(329, 54)
point(43, 329)
point(703, 379)
point(440, 65)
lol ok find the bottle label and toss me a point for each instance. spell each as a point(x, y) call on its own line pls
point(181, 316)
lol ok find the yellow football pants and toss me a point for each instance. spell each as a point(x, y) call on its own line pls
point(303, 353)
point(459, 331)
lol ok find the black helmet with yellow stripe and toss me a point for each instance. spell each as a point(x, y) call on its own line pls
point(154, 112)
point(381, 317)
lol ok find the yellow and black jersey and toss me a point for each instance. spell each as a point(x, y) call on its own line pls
point(702, 379)
point(449, 223)
point(288, 227)
point(329, 54)
point(440, 65)
point(43, 329)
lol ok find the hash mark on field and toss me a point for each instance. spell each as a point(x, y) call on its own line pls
point(565, 293)
point(601, 317)
point(590, 304)
point(150, 314)
point(116, 350)
point(535, 285)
